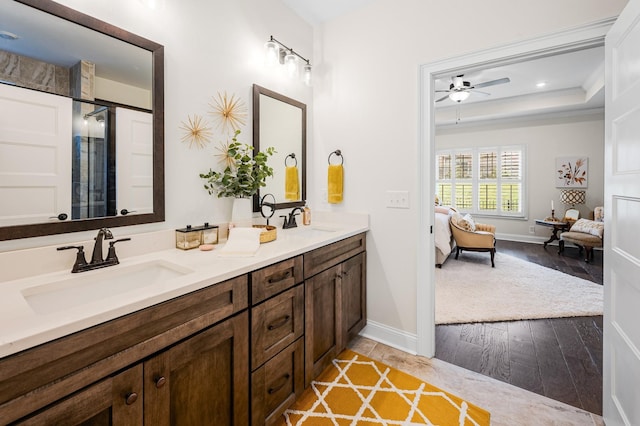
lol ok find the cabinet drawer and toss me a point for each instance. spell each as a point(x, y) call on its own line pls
point(275, 278)
point(275, 324)
point(277, 384)
point(325, 257)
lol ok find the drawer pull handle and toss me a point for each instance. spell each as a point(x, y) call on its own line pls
point(279, 323)
point(130, 398)
point(280, 277)
point(275, 389)
point(160, 381)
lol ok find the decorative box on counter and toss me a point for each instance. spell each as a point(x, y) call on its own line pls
point(192, 237)
point(188, 238)
point(209, 234)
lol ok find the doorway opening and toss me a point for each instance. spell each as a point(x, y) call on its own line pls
point(574, 40)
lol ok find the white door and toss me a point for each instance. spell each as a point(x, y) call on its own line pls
point(134, 156)
point(35, 156)
point(621, 403)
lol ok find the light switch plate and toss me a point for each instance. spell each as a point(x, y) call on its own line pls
point(398, 199)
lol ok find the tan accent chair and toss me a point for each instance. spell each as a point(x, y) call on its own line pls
point(482, 238)
point(586, 234)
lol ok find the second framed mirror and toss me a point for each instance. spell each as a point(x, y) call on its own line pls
point(281, 122)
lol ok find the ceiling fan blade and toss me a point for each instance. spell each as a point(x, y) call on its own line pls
point(442, 98)
point(491, 83)
point(478, 92)
point(442, 91)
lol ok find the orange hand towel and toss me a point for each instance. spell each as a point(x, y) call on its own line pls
point(335, 183)
point(291, 184)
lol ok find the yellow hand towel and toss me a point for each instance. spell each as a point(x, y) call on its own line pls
point(291, 184)
point(334, 183)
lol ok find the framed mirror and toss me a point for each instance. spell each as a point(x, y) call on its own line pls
point(83, 147)
point(281, 122)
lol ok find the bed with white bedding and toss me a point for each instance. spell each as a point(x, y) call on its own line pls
point(444, 241)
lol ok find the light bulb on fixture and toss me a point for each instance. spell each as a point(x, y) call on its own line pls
point(459, 96)
point(271, 53)
point(291, 64)
point(306, 76)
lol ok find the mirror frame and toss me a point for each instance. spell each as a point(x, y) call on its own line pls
point(257, 91)
point(157, 51)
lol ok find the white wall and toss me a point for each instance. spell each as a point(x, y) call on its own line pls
point(210, 46)
point(544, 140)
point(366, 100)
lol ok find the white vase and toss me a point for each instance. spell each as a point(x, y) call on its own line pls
point(241, 212)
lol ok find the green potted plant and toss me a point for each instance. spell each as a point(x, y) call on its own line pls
point(244, 174)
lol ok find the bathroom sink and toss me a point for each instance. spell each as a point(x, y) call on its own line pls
point(100, 284)
point(312, 231)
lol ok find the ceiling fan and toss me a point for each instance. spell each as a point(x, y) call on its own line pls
point(460, 90)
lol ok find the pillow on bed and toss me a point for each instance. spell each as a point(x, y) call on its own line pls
point(440, 209)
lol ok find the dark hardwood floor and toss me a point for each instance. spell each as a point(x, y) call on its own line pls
point(560, 358)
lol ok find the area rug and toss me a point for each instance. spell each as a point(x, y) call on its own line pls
point(470, 290)
point(357, 390)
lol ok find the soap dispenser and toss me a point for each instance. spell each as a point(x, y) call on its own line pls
point(306, 214)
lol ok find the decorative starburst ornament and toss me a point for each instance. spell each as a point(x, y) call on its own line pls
point(224, 156)
point(229, 111)
point(197, 132)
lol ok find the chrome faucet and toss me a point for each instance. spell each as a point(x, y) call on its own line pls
point(291, 221)
point(97, 261)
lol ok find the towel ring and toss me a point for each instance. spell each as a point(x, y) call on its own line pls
point(339, 154)
point(292, 155)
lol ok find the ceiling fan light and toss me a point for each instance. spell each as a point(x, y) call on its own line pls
point(459, 96)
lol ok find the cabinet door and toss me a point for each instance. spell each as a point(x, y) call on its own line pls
point(114, 401)
point(323, 334)
point(202, 381)
point(354, 297)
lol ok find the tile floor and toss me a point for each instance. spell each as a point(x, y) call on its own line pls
point(508, 405)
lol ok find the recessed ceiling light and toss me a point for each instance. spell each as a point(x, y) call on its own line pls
point(541, 84)
point(8, 36)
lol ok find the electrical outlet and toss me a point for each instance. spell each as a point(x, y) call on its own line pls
point(398, 199)
point(532, 229)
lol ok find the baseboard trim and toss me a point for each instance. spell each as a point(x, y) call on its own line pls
point(406, 342)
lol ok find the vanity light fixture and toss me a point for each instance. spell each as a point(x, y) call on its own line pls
point(276, 52)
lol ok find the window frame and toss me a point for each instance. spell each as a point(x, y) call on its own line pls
point(476, 181)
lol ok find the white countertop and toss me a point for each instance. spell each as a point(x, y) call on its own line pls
point(24, 325)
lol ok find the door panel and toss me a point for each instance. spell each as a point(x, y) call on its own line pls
point(35, 156)
point(621, 402)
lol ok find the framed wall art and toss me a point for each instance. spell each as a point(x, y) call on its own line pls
point(572, 172)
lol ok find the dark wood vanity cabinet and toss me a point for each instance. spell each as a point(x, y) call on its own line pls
point(335, 301)
point(234, 353)
point(277, 345)
point(171, 363)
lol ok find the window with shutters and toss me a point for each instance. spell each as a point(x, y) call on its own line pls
point(485, 181)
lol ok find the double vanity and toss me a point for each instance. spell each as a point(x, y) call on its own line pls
point(172, 336)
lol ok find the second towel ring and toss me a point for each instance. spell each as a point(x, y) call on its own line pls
point(339, 154)
point(292, 155)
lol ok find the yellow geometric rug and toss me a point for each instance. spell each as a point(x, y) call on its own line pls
point(357, 390)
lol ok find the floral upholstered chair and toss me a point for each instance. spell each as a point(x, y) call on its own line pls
point(473, 236)
point(586, 234)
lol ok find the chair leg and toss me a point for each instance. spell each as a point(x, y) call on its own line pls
point(560, 246)
point(588, 254)
point(457, 252)
point(493, 253)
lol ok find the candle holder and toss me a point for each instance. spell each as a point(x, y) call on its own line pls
point(551, 218)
